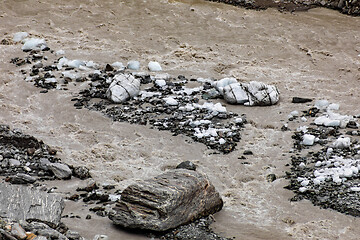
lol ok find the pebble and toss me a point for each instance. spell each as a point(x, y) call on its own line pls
point(101, 237)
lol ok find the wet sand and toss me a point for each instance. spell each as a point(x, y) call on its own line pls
point(309, 54)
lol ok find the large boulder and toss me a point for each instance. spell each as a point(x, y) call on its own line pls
point(169, 200)
point(25, 203)
point(123, 87)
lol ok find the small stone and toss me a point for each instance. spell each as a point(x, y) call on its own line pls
point(248, 152)
point(187, 165)
point(109, 68)
point(14, 163)
point(61, 171)
point(88, 217)
point(271, 177)
point(18, 231)
point(154, 66)
point(72, 235)
point(301, 100)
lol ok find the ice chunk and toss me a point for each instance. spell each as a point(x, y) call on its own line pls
point(222, 141)
point(34, 44)
point(123, 87)
point(170, 101)
point(235, 94)
point(160, 82)
point(308, 140)
point(19, 36)
point(60, 52)
point(118, 65)
point(154, 66)
point(342, 142)
point(219, 85)
point(75, 63)
point(322, 104)
point(262, 94)
point(303, 189)
point(333, 106)
point(91, 64)
point(133, 65)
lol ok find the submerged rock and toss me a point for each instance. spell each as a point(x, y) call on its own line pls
point(166, 201)
point(123, 87)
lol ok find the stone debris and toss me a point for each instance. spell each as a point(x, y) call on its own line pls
point(328, 176)
point(167, 201)
point(24, 159)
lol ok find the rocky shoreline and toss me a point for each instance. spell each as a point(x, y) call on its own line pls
point(345, 7)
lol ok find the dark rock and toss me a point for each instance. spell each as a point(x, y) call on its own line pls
point(30, 204)
point(187, 165)
point(22, 178)
point(271, 177)
point(167, 201)
point(61, 171)
point(109, 68)
point(81, 172)
point(199, 229)
point(248, 152)
point(301, 100)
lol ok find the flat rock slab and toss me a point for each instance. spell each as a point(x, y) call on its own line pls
point(25, 203)
point(166, 201)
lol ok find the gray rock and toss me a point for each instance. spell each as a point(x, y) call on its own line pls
point(25, 203)
point(61, 171)
point(187, 165)
point(21, 178)
point(18, 231)
point(72, 235)
point(171, 199)
point(14, 162)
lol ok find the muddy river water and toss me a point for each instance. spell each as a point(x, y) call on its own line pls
point(313, 54)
